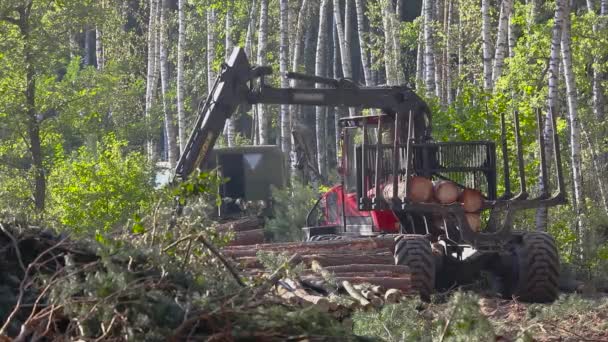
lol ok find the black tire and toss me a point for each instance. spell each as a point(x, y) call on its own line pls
point(537, 269)
point(415, 252)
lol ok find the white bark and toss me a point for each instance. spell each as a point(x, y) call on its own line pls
point(597, 168)
point(485, 36)
point(501, 39)
point(448, 54)
point(575, 130)
point(229, 130)
point(170, 141)
point(429, 54)
point(321, 70)
point(297, 57)
point(283, 62)
point(347, 69)
point(211, 40)
point(99, 52)
point(250, 29)
point(597, 89)
point(511, 32)
point(263, 116)
point(420, 60)
point(181, 41)
point(363, 44)
point(556, 35)
point(151, 74)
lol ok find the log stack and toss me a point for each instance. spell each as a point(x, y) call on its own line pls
point(247, 230)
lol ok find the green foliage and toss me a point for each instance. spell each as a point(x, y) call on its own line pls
point(291, 206)
point(95, 190)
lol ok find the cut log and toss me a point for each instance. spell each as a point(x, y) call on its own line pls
point(472, 200)
point(392, 296)
point(375, 274)
point(348, 259)
point(396, 269)
point(474, 221)
point(446, 192)
point(376, 301)
point(320, 302)
point(420, 189)
point(354, 293)
point(402, 283)
point(249, 237)
point(243, 224)
point(344, 246)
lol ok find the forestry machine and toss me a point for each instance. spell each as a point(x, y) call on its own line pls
point(388, 160)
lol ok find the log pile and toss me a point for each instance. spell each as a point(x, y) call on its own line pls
point(339, 276)
point(247, 231)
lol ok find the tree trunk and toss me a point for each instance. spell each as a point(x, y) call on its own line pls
point(151, 76)
point(485, 36)
point(347, 69)
point(390, 54)
point(321, 70)
point(181, 42)
point(338, 111)
point(556, 36)
point(297, 57)
point(86, 61)
point(170, 132)
point(229, 129)
point(263, 116)
point(501, 39)
point(448, 54)
point(597, 170)
point(575, 132)
point(285, 134)
point(429, 54)
point(597, 89)
point(250, 29)
point(511, 32)
point(211, 40)
point(363, 44)
point(99, 53)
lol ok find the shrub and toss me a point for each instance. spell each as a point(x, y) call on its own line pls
point(95, 190)
point(291, 206)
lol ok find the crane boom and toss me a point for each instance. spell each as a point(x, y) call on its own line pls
point(236, 85)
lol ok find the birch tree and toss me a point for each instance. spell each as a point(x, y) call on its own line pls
point(501, 39)
point(181, 41)
point(263, 116)
point(556, 37)
point(285, 134)
point(575, 131)
point(211, 39)
point(99, 57)
point(151, 73)
point(429, 53)
point(597, 89)
point(486, 43)
point(321, 70)
point(347, 69)
point(170, 139)
point(297, 56)
point(229, 130)
point(363, 44)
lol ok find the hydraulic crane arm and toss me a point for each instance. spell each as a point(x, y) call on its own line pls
point(236, 85)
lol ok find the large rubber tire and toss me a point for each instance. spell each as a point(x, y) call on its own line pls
point(415, 252)
point(537, 269)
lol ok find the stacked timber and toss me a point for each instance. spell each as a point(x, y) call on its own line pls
point(247, 230)
point(339, 276)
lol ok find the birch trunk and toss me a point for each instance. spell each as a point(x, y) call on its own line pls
point(597, 168)
point(99, 53)
point(297, 58)
point(347, 69)
point(170, 134)
point(151, 75)
point(556, 35)
point(263, 116)
point(285, 134)
point(211, 39)
point(597, 89)
point(485, 36)
point(229, 130)
point(181, 41)
point(363, 44)
point(86, 61)
point(448, 54)
point(250, 29)
point(420, 60)
point(429, 54)
point(575, 131)
point(511, 32)
point(501, 39)
point(321, 70)
point(338, 111)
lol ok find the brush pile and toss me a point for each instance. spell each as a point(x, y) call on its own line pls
point(54, 287)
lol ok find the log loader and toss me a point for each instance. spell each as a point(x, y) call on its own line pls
point(388, 159)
